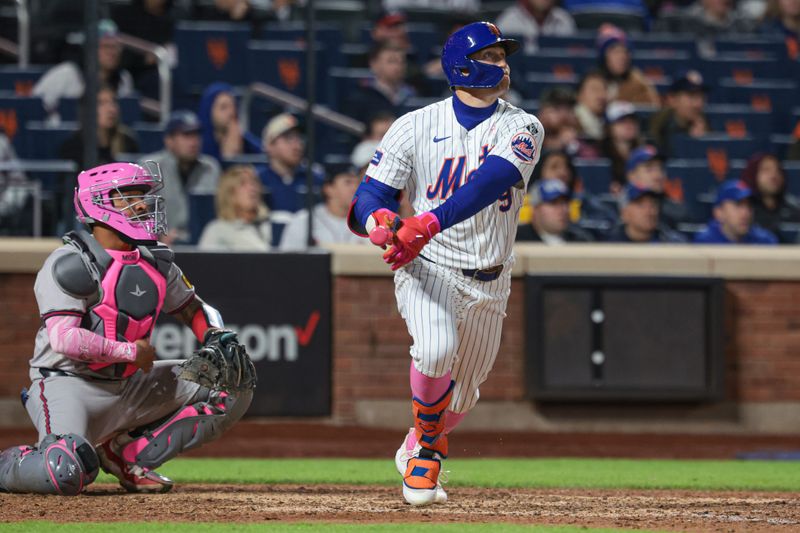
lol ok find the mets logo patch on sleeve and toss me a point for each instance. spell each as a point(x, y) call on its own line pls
point(377, 157)
point(523, 147)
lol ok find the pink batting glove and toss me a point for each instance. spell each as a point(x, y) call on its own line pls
point(386, 224)
point(414, 233)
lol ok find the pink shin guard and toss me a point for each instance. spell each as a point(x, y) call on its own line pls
point(427, 389)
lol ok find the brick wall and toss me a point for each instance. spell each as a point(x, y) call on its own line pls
point(762, 324)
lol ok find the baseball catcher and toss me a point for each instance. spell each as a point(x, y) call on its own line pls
point(97, 396)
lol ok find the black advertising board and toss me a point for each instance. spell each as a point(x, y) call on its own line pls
point(624, 338)
point(280, 304)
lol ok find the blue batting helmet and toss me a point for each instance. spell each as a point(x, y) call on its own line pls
point(460, 70)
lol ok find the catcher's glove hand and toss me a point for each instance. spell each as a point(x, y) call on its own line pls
point(222, 363)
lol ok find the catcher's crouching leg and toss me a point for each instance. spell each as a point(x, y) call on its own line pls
point(60, 464)
point(190, 427)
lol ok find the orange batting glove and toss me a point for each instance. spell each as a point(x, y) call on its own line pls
point(414, 233)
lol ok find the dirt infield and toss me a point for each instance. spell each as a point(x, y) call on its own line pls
point(662, 510)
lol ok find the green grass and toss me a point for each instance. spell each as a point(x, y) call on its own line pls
point(532, 473)
point(123, 527)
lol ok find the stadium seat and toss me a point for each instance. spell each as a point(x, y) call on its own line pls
point(43, 141)
point(751, 47)
point(15, 111)
point(696, 183)
point(581, 41)
point(282, 64)
point(776, 96)
point(663, 44)
point(150, 137)
point(536, 82)
point(130, 109)
point(595, 175)
point(20, 81)
point(209, 52)
point(658, 66)
point(563, 64)
point(718, 150)
point(201, 212)
point(741, 69)
point(737, 120)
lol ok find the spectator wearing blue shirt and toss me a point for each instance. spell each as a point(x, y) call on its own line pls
point(223, 137)
point(639, 213)
point(733, 218)
point(284, 176)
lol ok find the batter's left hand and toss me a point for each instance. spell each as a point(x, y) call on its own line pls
point(414, 233)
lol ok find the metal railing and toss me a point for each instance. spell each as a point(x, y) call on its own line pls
point(322, 113)
point(163, 106)
point(32, 187)
point(24, 29)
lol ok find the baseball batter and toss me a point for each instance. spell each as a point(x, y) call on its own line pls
point(97, 397)
point(465, 163)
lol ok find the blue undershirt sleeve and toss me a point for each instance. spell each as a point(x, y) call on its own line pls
point(495, 176)
point(372, 195)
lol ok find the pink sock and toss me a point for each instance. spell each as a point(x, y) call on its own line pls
point(451, 420)
point(429, 390)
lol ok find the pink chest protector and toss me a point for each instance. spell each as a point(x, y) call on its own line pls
point(127, 291)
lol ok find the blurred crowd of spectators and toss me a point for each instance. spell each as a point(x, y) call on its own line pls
point(264, 205)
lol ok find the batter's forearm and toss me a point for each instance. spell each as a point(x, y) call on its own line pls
point(68, 338)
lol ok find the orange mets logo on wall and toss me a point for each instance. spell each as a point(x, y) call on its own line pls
point(217, 49)
point(289, 72)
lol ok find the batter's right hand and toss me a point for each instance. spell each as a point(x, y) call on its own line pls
point(386, 225)
point(145, 355)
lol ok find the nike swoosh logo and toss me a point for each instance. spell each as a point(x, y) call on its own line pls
point(440, 139)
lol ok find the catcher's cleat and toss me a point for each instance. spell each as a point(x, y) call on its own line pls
point(131, 477)
point(401, 460)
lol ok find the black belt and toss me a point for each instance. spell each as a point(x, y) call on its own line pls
point(52, 373)
point(486, 274)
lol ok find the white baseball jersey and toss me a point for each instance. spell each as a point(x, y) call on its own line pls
point(429, 154)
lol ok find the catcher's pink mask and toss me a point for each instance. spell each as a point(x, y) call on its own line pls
point(94, 201)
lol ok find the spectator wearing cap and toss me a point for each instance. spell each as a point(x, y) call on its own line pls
point(330, 217)
point(640, 210)
point(284, 176)
point(185, 171)
point(645, 170)
point(386, 90)
point(550, 222)
point(625, 82)
point(591, 105)
point(66, 80)
point(391, 28)
point(683, 114)
point(772, 204)
point(622, 135)
point(733, 218)
point(531, 18)
point(223, 137)
point(242, 223)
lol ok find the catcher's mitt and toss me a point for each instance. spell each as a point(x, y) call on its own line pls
point(222, 363)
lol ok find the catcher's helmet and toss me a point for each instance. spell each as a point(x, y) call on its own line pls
point(460, 70)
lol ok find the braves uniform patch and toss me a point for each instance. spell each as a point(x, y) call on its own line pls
point(522, 146)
